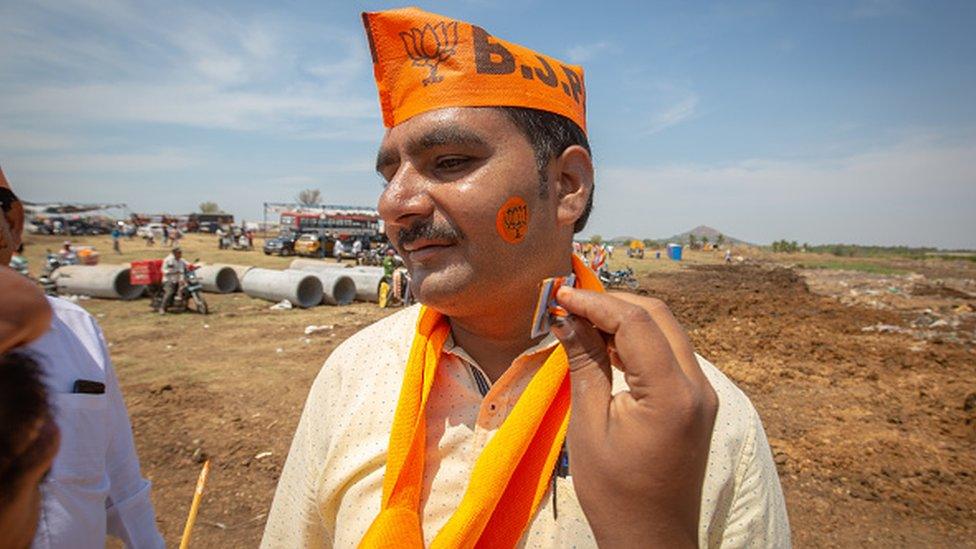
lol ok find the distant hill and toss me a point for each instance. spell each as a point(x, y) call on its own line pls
point(699, 232)
point(705, 231)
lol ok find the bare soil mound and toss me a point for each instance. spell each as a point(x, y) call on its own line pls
point(871, 432)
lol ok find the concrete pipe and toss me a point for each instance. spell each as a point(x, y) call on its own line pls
point(306, 264)
point(239, 270)
point(367, 284)
point(218, 279)
point(302, 289)
point(337, 288)
point(106, 281)
point(367, 279)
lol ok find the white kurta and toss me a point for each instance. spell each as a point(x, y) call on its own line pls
point(95, 486)
point(330, 489)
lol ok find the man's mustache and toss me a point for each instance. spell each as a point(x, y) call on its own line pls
point(427, 230)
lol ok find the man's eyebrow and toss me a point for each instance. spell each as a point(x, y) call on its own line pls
point(384, 158)
point(444, 135)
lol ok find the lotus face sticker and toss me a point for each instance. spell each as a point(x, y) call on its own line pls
point(430, 46)
point(512, 221)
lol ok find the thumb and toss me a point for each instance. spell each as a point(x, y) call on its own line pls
point(589, 371)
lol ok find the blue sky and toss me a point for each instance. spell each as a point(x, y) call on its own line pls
point(816, 121)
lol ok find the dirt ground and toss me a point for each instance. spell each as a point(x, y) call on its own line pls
point(873, 429)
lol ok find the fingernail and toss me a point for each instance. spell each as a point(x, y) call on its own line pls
point(562, 326)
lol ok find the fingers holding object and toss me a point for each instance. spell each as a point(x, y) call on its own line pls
point(642, 351)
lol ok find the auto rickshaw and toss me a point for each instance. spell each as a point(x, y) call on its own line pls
point(636, 249)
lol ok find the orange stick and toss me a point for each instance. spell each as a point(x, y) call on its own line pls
point(195, 506)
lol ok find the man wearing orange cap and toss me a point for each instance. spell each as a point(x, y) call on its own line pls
point(449, 424)
point(94, 486)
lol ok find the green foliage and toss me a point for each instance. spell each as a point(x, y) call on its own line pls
point(596, 239)
point(209, 208)
point(692, 241)
point(309, 197)
point(720, 239)
point(855, 250)
point(862, 266)
point(784, 246)
point(651, 244)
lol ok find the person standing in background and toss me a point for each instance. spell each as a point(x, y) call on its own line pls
point(116, 238)
point(95, 487)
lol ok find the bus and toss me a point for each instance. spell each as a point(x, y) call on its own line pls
point(344, 224)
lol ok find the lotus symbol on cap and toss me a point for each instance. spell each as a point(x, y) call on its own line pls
point(431, 45)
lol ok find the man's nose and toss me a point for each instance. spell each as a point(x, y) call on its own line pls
point(405, 198)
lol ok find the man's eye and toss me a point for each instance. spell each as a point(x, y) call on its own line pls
point(451, 162)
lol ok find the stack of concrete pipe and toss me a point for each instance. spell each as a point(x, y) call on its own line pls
point(302, 289)
point(218, 279)
point(337, 287)
point(239, 270)
point(367, 279)
point(105, 281)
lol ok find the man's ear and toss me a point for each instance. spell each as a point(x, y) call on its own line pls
point(573, 184)
point(16, 221)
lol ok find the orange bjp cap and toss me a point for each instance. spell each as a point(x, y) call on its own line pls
point(423, 61)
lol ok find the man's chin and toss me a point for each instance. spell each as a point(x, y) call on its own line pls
point(442, 288)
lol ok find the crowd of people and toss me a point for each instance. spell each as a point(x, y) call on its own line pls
point(445, 424)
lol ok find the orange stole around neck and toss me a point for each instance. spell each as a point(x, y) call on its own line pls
point(514, 467)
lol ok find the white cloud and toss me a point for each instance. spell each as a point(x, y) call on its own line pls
point(581, 53)
point(180, 66)
point(919, 192)
point(30, 140)
point(674, 114)
point(162, 160)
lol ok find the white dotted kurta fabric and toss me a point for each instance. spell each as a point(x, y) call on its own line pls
point(330, 489)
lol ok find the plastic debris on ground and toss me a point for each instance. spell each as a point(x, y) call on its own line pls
point(311, 328)
point(282, 305)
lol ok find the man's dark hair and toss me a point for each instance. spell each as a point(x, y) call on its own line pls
point(550, 134)
point(23, 401)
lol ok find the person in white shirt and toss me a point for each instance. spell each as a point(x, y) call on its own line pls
point(338, 250)
point(220, 238)
point(95, 487)
point(174, 267)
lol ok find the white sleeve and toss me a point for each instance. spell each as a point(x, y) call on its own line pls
point(296, 517)
point(757, 517)
point(129, 511)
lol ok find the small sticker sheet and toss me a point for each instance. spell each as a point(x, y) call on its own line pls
point(546, 307)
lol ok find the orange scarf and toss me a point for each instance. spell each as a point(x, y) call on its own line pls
point(514, 467)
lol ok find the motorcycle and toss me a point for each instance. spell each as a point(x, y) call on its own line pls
point(621, 278)
point(395, 290)
point(371, 257)
point(188, 289)
point(53, 262)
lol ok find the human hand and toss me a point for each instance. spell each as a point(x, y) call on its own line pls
point(638, 457)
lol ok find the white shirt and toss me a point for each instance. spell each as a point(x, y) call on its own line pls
point(338, 249)
point(95, 486)
point(173, 268)
point(329, 491)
